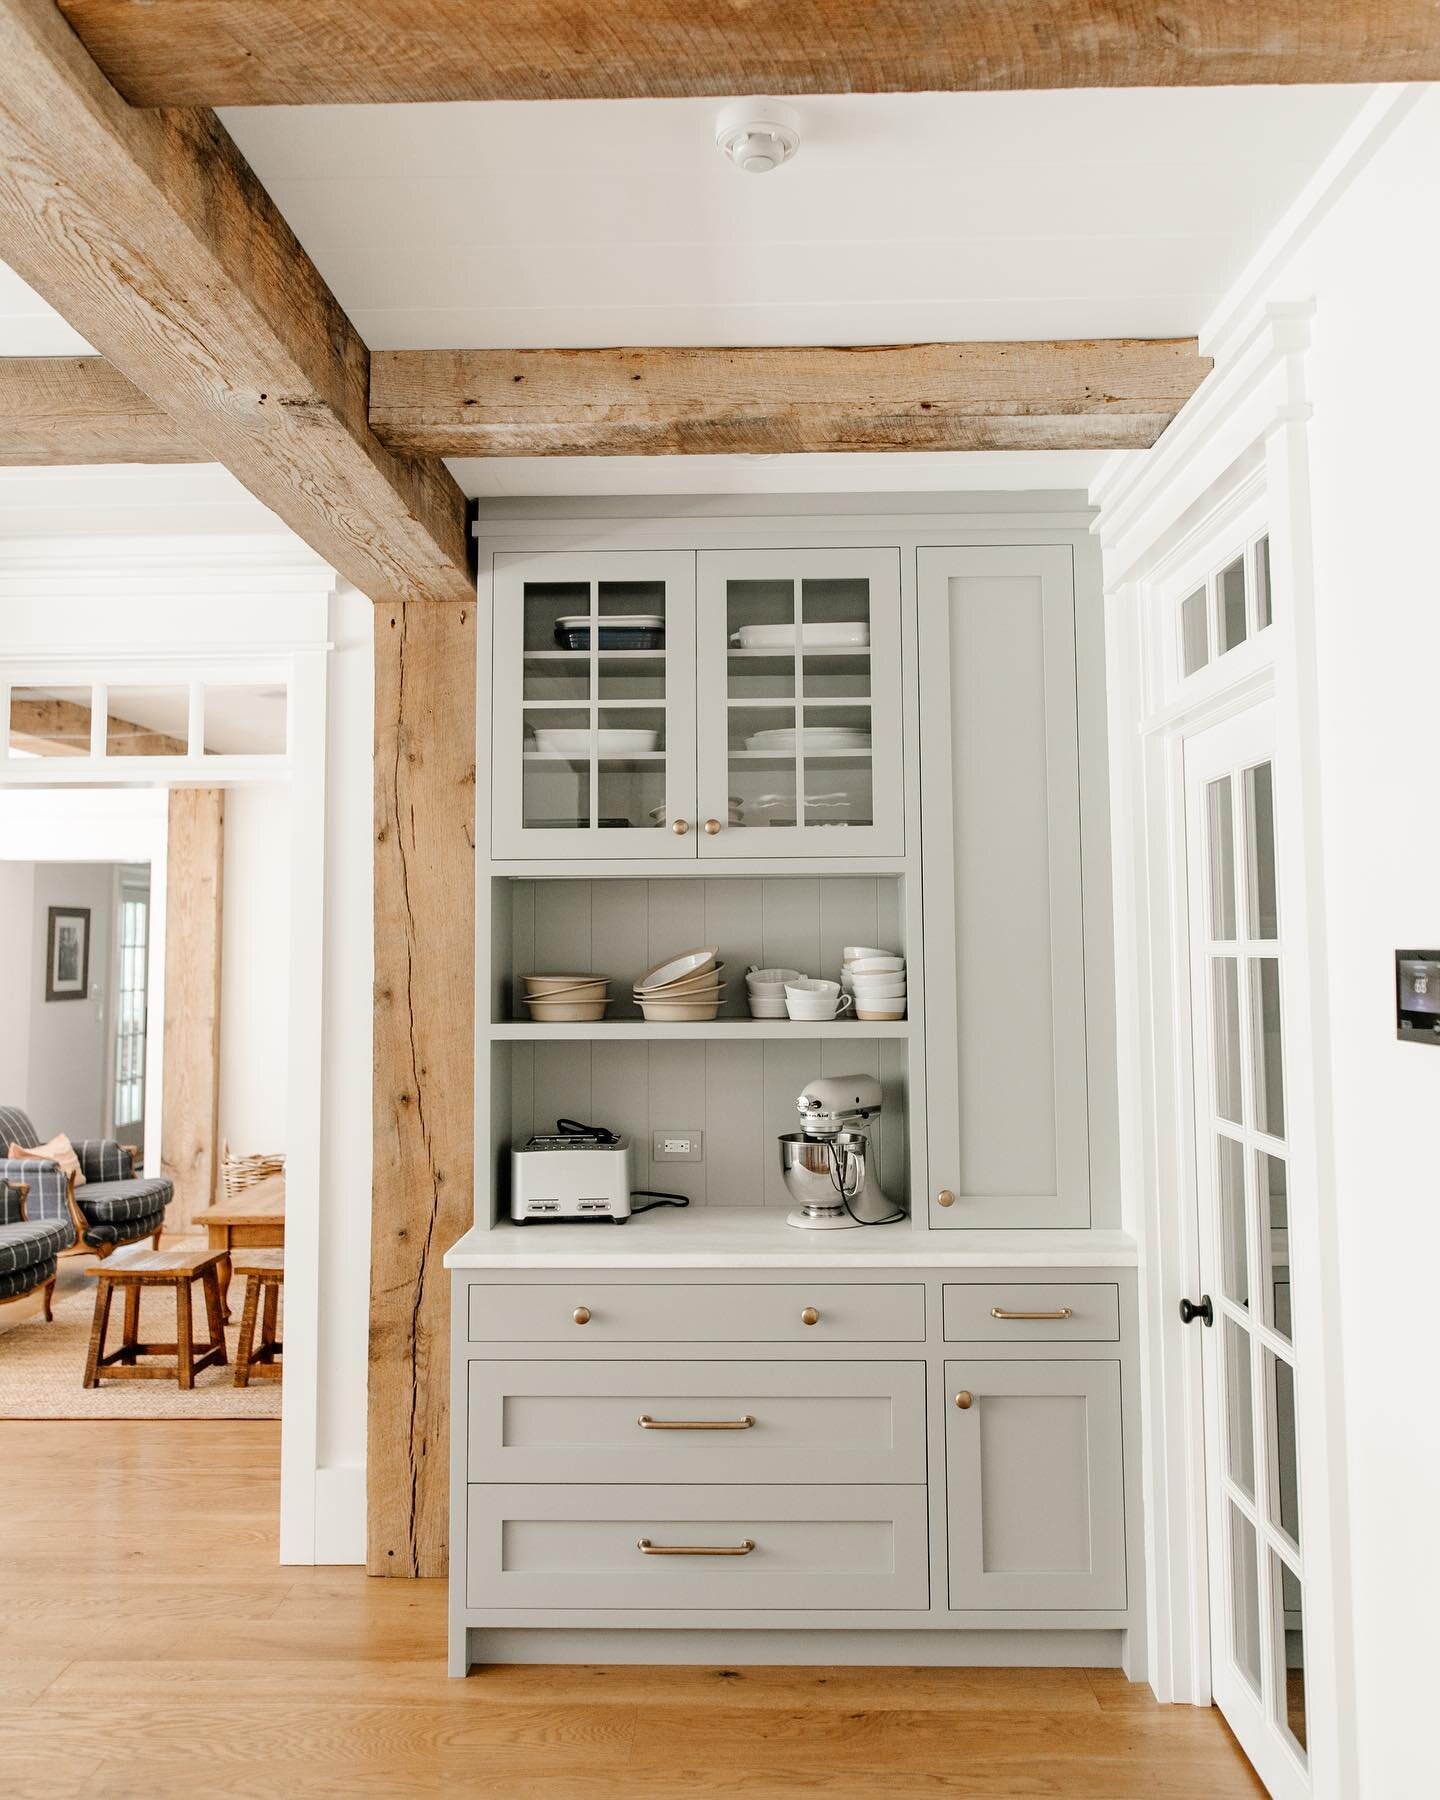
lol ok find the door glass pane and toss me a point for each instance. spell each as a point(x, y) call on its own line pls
point(1230, 1176)
point(1269, 1083)
point(155, 721)
point(1270, 1180)
point(1262, 913)
point(1194, 632)
point(594, 705)
point(1290, 1639)
point(1220, 839)
point(1231, 609)
point(1281, 1442)
point(1264, 612)
point(799, 702)
point(50, 721)
point(1239, 1408)
point(243, 721)
point(1225, 1005)
point(1245, 1596)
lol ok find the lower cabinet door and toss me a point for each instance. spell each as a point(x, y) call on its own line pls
point(1036, 1488)
point(697, 1548)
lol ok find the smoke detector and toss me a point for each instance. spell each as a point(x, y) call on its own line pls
point(757, 135)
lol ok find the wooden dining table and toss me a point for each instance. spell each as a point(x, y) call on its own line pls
point(252, 1220)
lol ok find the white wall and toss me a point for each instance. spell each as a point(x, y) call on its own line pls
point(344, 1324)
point(255, 968)
point(17, 911)
point(1373, 268)
point(66, 1086)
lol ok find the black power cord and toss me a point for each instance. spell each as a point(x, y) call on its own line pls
point(602, 1134)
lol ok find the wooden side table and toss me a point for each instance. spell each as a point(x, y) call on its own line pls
point(264, 1272)
point(177, 1269)
point(253, 1220)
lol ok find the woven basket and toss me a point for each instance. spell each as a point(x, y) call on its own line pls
point(237, 1173)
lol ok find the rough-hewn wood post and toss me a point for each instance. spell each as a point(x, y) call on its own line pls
point(425, 673)
point(194, 905)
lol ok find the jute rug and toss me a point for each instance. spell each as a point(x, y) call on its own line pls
point(42, 1365)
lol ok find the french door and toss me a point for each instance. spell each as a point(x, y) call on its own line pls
point(1238, 979)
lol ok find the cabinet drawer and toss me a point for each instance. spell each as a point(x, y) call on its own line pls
point(816, 1422)
point(834, 1549)
point(589, 1312)
point(1079, 1312)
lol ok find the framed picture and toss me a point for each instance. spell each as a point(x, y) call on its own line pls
point(67, 955)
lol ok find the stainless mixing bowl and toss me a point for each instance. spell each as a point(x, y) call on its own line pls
point(813, 1166)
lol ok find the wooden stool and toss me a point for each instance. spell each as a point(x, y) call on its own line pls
point(264, 1271)
point(175, 1269)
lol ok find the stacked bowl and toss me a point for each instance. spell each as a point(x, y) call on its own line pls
point(876, 978)
point(683, 989)
point(765, 990)
point(566, 999)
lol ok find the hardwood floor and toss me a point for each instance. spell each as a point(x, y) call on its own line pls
point(151, 1646)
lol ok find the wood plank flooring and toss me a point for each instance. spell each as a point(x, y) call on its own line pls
point(151, 1646)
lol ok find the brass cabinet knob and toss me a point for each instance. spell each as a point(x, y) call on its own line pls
point(581, 1315)
point(679, 826)
point(944, 1198)
point(809, 1316)
point(964, 1399)
point(712, 828)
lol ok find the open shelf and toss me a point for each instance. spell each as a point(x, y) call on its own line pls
point(722, 1030)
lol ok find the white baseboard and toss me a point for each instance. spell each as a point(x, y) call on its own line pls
point(340, 1514)
point(890, 1649)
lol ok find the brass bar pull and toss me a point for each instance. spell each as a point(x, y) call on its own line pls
point(648, 1549)
point(1061, 1312)
point(646, 1423)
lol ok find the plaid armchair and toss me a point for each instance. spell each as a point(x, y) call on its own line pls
point(113, 1207)
point(29, 1248)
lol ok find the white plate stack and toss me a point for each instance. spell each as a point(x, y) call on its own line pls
point(877, 980)
point(683, 989)
point(812, 740)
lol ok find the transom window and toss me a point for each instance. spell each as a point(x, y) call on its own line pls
point(1233, 604)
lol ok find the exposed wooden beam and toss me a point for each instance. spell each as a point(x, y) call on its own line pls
point(194, 904)
point(1103, 395)
point(78, 409)
point(151, 235)
point(424, 1048)
point(301, 52)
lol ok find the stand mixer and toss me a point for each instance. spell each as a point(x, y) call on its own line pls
point(825, 1163)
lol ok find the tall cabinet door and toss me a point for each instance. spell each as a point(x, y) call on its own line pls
point(1004, 939)
point(593, 714)
point(801, 749)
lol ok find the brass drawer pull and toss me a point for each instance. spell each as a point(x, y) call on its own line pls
point(1061, 1312)
point(646, 1423)
point(581, 1315)
point(809, 1316)
point(648, 1549)
point(964, 1399)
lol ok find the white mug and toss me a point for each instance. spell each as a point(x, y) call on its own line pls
point(818, 1006)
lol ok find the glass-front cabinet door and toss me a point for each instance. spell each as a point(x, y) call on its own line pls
point(800, 746)
point(593, 717)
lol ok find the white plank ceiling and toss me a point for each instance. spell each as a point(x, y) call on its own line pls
point(910, 217)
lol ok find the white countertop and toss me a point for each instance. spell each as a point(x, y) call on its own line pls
point(702, 1237)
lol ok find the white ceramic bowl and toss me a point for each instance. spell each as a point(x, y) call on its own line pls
point(556, 742)
point(811, 984)
point(767, 1009)
point(763, 980)
point(853, 952)
point(880, 1011)
point(677, 968)
point(886, 964)
point(879, 989)
point(704, 982)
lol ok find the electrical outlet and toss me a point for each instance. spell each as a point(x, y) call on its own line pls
point(679, 1146)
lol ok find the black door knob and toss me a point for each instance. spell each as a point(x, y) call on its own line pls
point(1203, 1308)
